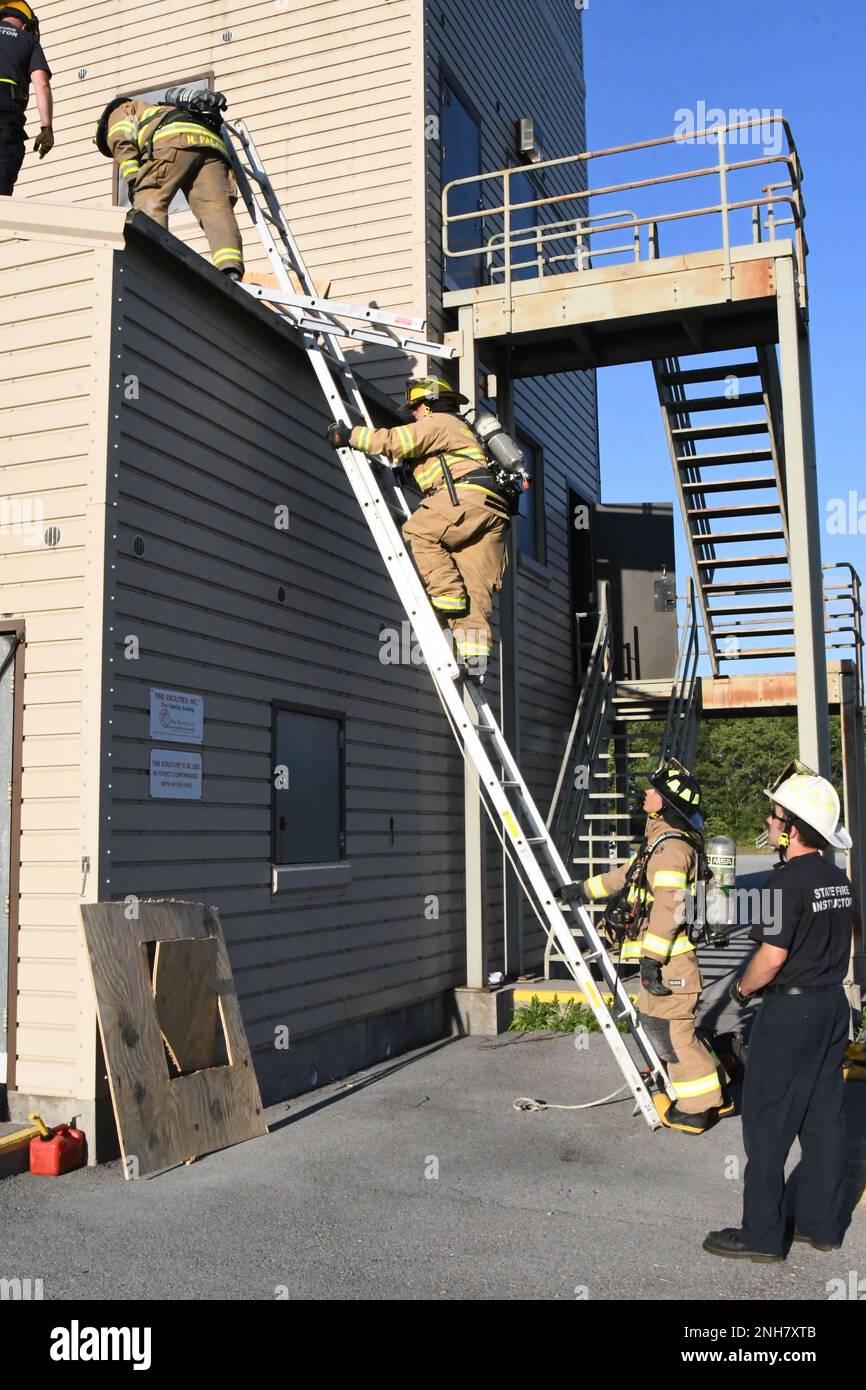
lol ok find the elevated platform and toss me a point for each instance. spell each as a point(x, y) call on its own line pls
point(703, 301)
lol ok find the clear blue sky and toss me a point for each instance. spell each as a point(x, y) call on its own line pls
point(645, 61)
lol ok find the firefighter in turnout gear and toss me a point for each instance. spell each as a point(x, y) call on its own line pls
point(655, 882)
point(176, 147)
point(21, 62)
point(458, 533)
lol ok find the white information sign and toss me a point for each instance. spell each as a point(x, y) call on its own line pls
point(176, 717)
point(175, 773)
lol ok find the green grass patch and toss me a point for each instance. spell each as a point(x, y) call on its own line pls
point(556, 1016)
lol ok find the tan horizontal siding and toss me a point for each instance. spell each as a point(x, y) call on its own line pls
point(331, 93)
point(54, 308)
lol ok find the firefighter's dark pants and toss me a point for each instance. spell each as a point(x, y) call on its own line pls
point(794, 1089)
point(11, 149)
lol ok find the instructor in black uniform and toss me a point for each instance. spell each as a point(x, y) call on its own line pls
point(794, 1086)
point(21, 61)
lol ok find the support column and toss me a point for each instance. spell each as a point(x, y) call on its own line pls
point(804, 522)
point(473, 813)
point(509, 666)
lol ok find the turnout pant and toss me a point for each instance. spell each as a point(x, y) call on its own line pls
point(208, 184)
point(794, 1089)
point(669, 1021)
point(11, 149)
point(461, 556)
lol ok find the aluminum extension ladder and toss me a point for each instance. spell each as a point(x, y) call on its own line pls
point(321, 323)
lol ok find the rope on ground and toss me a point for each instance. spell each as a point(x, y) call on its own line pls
point(527, 1103)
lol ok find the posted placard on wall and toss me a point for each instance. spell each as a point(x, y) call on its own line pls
point(176, 717)
point(175, 774)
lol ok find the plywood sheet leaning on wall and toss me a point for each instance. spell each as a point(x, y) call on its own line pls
point(164, 1120)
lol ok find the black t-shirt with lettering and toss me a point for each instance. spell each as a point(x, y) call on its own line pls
point(20, 55)
point(810, 917)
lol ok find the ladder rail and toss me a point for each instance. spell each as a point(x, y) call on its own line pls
point(342, 396)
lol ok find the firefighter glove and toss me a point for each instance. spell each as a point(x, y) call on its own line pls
point(574, 893)
point(44, 141)
point(651, 976)
point(339, 435)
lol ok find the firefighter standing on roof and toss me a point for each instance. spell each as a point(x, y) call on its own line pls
point(21, 62)
point(176, 147)
point(458, 533)
point(670, 978)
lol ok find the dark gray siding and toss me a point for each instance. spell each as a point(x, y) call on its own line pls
point(513, 58)
point(205, 455)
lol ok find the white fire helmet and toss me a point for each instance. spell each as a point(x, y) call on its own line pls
point(814, 800)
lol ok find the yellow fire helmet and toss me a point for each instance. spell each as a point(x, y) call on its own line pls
point(430, 389)
point(680, 789)
point(19, 9)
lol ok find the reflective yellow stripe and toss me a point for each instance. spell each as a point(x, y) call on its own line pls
point(427, 476)
point(631, 950)
point(445, 601)
point(407, 443)
point(181, 128)
point(121, 125)
point(477, 487)
point(595, 886)
point(227, 253)
point(129, 166)
point(361, 438)
point(10, 80)
point(669, 878)
point(710, 1082)
point(666, 948)
point(472, 648)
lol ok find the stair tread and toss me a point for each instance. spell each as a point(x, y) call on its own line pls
point(734, 510)
point(751, 653)
point(718, 373)
point(729, 485)
point(732, 537)
point(755, 586)
point(732, 561)
point(715, 460)
point(697, 403)
point(720, 431)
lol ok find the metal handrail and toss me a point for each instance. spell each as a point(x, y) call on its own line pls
point(587, 730)
point(581, 229)
point(846, 593)
point(723, 169)
point(682, 715)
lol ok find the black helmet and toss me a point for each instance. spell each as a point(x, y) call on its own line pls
point(680, 790)
point(19, 9)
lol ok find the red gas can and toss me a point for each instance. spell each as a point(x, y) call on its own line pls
point(62, 1151)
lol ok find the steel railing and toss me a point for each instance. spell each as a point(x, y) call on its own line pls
point(588, 729)
point(845, 627)
point(680, 736)
point(577, 230)
point(496, 186)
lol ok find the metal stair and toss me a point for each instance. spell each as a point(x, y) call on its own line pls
point(724, 433)
point(591, 817)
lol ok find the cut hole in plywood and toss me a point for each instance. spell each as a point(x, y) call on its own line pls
point(164, 1120)
point(184, 976)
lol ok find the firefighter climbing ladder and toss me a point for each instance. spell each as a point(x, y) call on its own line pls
point(532, 852)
